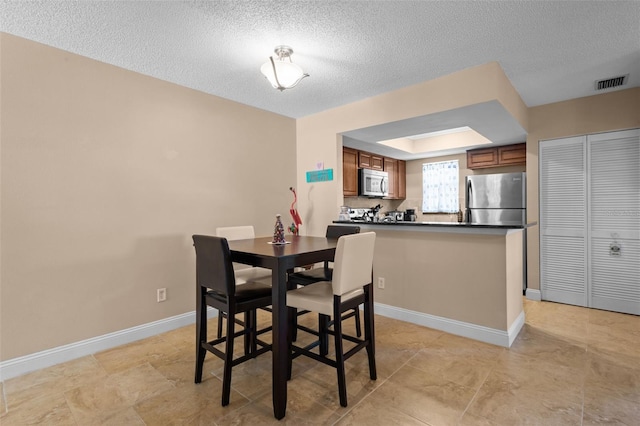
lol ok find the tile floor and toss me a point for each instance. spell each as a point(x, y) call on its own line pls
point(568, 366)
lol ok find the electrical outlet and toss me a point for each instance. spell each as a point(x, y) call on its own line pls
point(161, 294)
point(380, 282)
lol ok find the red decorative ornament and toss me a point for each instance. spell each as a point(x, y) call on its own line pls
point(295, 226)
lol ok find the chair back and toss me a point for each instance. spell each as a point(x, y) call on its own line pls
point(232, 233)
point(353, 262)
point(334, 231)
point(214, 269)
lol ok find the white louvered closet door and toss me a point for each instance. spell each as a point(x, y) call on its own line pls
point(563, 221)
point(614, 221)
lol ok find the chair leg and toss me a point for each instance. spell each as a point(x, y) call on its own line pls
point(292, 313)
point(247, 332)
point(228, 361)
point(294, 326)
point(369, 333)
point(342, 382)
point(323, 327)
point(220, 318)
point(201, 336)
point(356, 313)
point(251, 326)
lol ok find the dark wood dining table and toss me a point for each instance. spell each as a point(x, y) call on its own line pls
point(299, 251)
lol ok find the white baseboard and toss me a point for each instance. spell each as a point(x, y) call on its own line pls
point(534, 294)
point(18, 366)
point(459, 328)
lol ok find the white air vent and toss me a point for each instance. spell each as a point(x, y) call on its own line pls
point(610, 83)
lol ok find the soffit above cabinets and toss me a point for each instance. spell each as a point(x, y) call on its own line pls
point(491, 123)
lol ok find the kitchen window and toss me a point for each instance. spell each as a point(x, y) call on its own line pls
point(440, 187)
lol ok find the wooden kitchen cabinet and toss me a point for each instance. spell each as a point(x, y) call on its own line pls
point(506, 155)
point(481, 158)
point(402, 180)
point(352, 160)
point(512, 154)
point(367, 160)
point(391, 167)
point(397, 170)
point(349, 172)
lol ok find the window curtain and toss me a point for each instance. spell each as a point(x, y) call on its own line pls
point(440, 187)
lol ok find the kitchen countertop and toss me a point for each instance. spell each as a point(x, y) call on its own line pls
point(435, 224)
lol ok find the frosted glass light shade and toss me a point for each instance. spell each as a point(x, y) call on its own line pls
point(281, 72)
point(289, 74)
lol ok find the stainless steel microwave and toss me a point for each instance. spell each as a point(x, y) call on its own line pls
point(373, 183)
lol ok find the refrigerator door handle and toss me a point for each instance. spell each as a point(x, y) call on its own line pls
point(468, 191)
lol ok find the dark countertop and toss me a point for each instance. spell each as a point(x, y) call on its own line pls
point(437, 224)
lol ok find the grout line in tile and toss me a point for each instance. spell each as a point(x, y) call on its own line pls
point(583, 396)
point(375, 389)
point(387, 379)
point(4, 398)
point(359, 402)
point(475, 395)
point(66, 401)
point(405, 363)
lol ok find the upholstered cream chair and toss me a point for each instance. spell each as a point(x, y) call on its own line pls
point(350, 287)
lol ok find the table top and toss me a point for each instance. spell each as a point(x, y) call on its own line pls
point(295, 245)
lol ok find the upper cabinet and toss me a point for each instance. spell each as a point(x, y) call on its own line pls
point(370, 161)
point(350, 172)
point(402, 179)
point(352, 160)
point(506, 155)
point(391, 167)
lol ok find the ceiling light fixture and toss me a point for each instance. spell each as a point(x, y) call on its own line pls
point(282, 74)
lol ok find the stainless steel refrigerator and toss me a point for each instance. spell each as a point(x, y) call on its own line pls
point(497, 199)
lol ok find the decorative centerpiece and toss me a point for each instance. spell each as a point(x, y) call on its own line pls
point(295, 225)
point(278, 232)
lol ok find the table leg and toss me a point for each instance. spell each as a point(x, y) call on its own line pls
point(280, 348)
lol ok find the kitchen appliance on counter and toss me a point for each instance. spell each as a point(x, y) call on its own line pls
point(496, 199)
point(395, 216)
point(364, 215)
point(373, 183)
point(344, 213)
point(361, 215)
point(410, 215)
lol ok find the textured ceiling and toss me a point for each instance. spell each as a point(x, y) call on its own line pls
point(550, 50)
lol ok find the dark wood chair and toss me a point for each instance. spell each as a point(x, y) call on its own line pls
point(216, 287)
point(350, 287)
point(242, 272)
point(325, 273)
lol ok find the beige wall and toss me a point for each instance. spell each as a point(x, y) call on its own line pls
point(594, 114)
point(105, 175)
